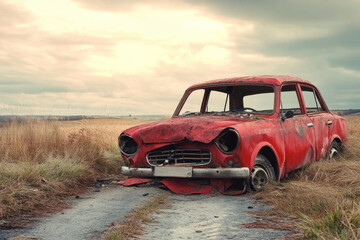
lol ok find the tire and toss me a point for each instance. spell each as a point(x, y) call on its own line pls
point(262, 173)
point(334, 150)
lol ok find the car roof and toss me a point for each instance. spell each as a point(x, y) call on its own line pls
point(277, 80)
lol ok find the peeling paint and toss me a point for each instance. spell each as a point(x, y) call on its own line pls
point(289, 143)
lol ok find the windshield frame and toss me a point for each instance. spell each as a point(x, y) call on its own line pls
point(208, 88)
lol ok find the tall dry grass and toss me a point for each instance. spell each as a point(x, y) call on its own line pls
point(36, 140)
point(325, 195)
point(41, 161)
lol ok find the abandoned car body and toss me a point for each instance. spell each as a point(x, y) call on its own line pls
point(256, 128)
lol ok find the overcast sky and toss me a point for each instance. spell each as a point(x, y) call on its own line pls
point(120, 57)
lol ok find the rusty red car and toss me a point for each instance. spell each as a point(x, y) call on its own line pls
point(255, 129)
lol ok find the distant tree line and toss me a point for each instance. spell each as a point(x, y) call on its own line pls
point(10, 118)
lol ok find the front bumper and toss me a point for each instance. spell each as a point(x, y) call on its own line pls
point(187, 172)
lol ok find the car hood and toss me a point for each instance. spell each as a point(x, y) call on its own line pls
point(196, 128)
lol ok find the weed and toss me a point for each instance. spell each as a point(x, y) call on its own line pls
point(135, 219)
point(324, 195)
point(41, 161)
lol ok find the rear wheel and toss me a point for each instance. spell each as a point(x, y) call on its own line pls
point(334, 149)
point(262, 173)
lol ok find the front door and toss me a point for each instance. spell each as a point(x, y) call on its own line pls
point(298, 131)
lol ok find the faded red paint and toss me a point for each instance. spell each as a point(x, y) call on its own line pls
point(197, 128)
point(184, 186)
point(134, 181)
point(292, 142)
point(276, 80)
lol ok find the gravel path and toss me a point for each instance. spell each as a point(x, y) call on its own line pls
point(88, 216)
point(208, 217)
point(185, 217)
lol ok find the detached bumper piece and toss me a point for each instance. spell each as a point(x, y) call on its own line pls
point(187, 172)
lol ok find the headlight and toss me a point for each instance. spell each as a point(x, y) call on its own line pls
point(228, 141)
point(127, 145)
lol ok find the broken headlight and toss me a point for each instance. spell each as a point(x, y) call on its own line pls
point(127, 145)
point(228, 141)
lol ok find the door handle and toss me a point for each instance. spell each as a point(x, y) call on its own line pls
point(329, 122)
point(310, 124)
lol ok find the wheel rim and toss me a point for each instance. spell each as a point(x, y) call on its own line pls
point(259, 178)
point(333, 153)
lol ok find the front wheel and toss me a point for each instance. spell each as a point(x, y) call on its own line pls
point(262, 173)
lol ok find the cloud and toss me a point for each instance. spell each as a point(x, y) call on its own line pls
point(119, 6)
point(286, 12)
point(321, 39)
point(135, 57)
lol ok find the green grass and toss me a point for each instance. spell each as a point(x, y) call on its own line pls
point(27, 186)
point(337, 223)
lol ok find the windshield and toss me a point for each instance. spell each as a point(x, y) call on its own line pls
point(256, 99)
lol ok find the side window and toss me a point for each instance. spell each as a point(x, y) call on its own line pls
point(289, 100)
point(193, 102)
point(312, 103)
point(218, 102)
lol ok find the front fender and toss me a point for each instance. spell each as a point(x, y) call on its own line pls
point(280, 160)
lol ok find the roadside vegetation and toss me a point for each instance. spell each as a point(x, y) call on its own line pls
point(42, 161)
point(134, 221)
point(325, 196)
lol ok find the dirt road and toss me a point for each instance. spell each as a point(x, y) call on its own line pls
point(208, 217)
point(186, 217)
point(88, 216)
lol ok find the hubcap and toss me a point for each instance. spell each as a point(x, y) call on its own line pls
point(259, 178)
point(333, 153)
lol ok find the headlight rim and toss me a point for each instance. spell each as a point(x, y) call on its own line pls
point(217, 143)
point(121, 150)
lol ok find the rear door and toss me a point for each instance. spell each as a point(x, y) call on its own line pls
point(321, 119)
point(298, 131)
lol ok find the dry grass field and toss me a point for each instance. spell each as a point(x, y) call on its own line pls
point(325, 196)
point(44, 161)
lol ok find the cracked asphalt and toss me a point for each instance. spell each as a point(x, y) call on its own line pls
point(185, 217)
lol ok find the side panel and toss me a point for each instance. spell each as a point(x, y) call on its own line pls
point(322, 133)
point(338, 128)
point(254, 136)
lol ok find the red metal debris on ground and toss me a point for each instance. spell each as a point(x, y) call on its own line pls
point(134, 181)
point(186, 187)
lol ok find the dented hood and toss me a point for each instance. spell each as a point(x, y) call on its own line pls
point(196, 128)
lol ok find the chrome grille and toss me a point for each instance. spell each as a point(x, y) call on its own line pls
point(190, 157)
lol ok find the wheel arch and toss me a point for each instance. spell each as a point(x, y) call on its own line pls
point(337, 139)
point(269, 153)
